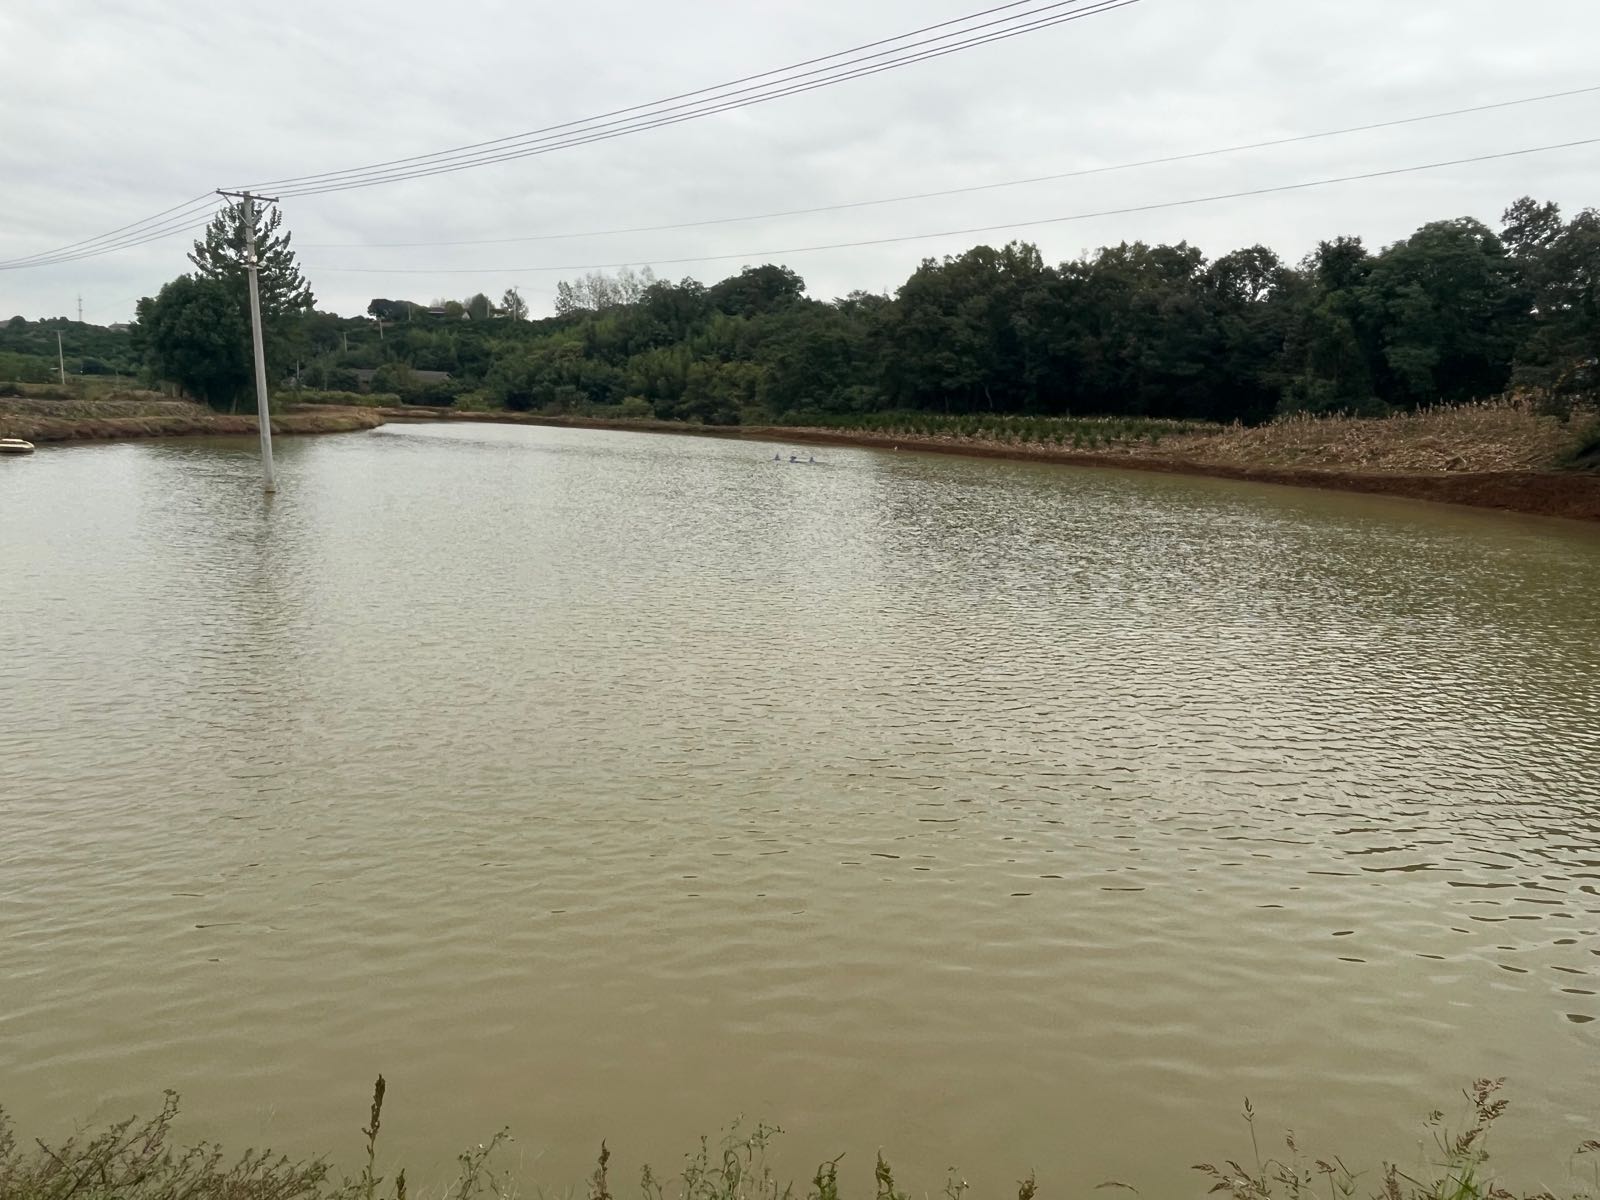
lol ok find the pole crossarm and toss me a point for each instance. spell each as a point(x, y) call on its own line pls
point(247, 196)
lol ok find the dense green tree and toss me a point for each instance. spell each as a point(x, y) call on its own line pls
point(553, 374)
point(757, 290)
point(1451, 311)
point(1331, 351)
point(1560, 268)
point(194, 334)
point(390, 310)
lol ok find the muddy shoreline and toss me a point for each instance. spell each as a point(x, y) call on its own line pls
point(37, 428)
point(1573, 495)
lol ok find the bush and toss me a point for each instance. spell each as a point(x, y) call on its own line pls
point(475, 401)
point(431, 395)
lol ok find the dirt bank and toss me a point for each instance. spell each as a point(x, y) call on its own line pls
point(1570, 494)
point(46, 421)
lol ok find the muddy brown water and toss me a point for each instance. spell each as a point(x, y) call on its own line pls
point(1000, 815)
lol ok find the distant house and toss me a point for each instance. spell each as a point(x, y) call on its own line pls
point(419, 378)
point(119, 327)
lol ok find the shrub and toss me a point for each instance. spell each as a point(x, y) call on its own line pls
point(477, 400)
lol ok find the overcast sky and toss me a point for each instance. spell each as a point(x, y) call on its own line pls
point(112, 111)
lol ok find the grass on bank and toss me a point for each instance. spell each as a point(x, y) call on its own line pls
point(1506, 434)
point(138, 1160)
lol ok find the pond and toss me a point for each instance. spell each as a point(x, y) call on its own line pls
point(1004, 816)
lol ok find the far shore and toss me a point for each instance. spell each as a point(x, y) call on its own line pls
point(1570, 494)
point(1573, 494)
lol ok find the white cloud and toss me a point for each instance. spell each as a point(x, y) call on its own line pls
point(113, 111)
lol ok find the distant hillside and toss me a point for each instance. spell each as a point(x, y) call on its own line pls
point(28, 349)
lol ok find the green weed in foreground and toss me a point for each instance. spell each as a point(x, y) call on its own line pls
point(136, 1160)
point(1456, 1170)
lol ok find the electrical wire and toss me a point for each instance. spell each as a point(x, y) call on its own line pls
point(126, 233)
point(589, 138)
point(172, 227)
point(978, 229)
point(595, 130)
point(972, 188)
point(680, 96)
point(963, 33)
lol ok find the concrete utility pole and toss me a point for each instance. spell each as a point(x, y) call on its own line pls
point(80, 310)
point(61, 360)
point(263, 415)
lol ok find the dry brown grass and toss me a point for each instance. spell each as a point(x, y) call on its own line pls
point(116, 405)
point(1498, 435)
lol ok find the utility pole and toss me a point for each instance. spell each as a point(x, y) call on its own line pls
point(80, 309)
point(263, 415)
point(61, 360)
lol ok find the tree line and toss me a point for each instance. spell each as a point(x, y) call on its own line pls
point(28, 350)
point(1457, 311)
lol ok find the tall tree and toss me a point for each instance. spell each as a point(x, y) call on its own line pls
point(220, 255)
point(513, 305)
point(1560, 267)
point(285, 294)
point(1451, 313)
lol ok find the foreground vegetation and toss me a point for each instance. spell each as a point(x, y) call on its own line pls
point(139, 1160)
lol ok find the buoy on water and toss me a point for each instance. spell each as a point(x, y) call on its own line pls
point(15, 446)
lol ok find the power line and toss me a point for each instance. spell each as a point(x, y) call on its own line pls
point(172, 227)
point(980, 229)
point(125, 233)
point(979, 187)
point(963, 33)
point(515, 137)
point(710, 110)
point(595, 130)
